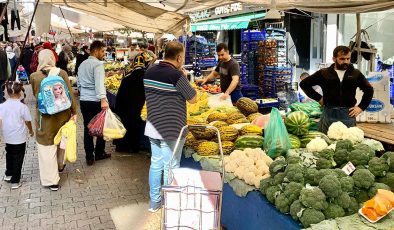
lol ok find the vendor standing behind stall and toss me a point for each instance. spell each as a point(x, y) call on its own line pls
point(339, 83)
point(228, 71)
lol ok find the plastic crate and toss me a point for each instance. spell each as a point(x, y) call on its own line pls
point(252, 36)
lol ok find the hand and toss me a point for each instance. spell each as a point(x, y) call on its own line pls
point(31, 133)
point(355, 111)
point(201, 81)
point(184, 71)
point(104, 104)
point(321, 102)
point(224, 96)
point(74, 117)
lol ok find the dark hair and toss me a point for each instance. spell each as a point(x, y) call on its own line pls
point(84, 48)
point(143, 45)
point(221, 46)
point(341, 50)
point(172, 50)
point(14, 87)
point(96, 45)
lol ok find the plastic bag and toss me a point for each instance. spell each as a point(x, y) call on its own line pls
point(113, 127)
point(276, 138)
point(214, 101)
point(96, 125)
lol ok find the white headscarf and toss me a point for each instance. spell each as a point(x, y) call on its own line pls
point(46, 60)
point(10, 53)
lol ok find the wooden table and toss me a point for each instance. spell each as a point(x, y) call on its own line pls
point(381, 132)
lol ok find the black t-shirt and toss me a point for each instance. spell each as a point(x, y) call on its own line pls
point(227, 70)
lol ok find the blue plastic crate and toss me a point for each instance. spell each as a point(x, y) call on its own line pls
point(252, 36)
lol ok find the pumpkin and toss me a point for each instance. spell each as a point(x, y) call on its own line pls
point(218, 124)
point(247, 106)
point(197, 143)
point(217, 117)
point(202, 132)
point(190, 140)
point(253, 116)
point(208, 148)
point(227, 147)
point(251, 129)
point(228, 133)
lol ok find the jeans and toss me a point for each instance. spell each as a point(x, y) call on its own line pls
point(235, 95)
point(14, 161)
point(160, 160)
point(90, 109)
point(333, 114)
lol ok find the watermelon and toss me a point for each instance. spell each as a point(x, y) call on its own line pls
point(310, 136)
point(249, 141)
point(297, 123)
point(295, 141)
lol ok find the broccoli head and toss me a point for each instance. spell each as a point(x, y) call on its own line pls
point(293, 190)
point(342, 200)
point(266, 183)
point(313, 198)
point(333, 211)
point(295, 172)
point(389, 157)
point(358, 157)
point(344, 144)
point(378, 166)
point(329, 155)
point(321, 173)
point(367, 149)
point(347, 184)
point(340, 173)
point(340, 156)
point(374, 189)
point(311, 216)
point(331, 186)
point(388, 180)
point(353, 207)
point(310, 176)
point(296, 209)
point(279, 178)
point(361, 195)
point(282, 203)
point(294, 160)
point(323, 163)
point(277, 166)
point(363, 178)
point(272, 192)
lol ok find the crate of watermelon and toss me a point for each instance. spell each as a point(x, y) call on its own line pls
point(312, 109)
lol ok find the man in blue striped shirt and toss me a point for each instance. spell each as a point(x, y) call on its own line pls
point(167, 90)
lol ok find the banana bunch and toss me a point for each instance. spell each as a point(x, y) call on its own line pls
point(113, 83)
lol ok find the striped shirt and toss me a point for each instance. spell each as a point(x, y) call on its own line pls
point(166, 91)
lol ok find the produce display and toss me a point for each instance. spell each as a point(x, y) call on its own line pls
point(111, 66)
point(112, 83)
point(210, 88)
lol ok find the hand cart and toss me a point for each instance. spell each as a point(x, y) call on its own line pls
point(193, 198)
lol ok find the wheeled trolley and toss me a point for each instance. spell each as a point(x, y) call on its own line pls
point(193, 198)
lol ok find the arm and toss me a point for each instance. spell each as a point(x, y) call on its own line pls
point(367, 89)
point(187, 91)
point(28, 124)
point(70, 90)
point(8, 69)
point(308, 83)
point(101, 93)
point(233, 85)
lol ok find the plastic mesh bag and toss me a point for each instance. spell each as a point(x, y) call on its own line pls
point(276, 138)
point(96, 125)
point(113, 127)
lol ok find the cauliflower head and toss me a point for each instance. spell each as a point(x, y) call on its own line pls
point(316, 145)
point(336, 130)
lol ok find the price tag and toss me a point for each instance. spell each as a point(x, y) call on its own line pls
point(349, 168)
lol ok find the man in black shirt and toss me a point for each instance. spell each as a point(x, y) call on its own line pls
point(228, 71)
point(339, 83)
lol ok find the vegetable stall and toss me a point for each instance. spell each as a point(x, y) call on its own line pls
point(283, 174)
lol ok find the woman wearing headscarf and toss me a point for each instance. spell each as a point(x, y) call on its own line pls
point(64, 57)
point(48, 45)
point(129, 102)
point(50, 158)
point(11, 57)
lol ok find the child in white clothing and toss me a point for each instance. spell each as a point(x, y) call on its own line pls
point(15, 121)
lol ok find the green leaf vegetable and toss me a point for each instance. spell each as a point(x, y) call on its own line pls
point(378, 167)
point(314, 198)
point(331, 186)
point(333, 211)
point(363, 178)
point(311, 216)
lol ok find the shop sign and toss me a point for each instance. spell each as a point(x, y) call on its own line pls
point(227, 9)
point(200, 15)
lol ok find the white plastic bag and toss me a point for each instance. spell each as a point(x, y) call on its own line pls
point(113, 127)
point(214, 101)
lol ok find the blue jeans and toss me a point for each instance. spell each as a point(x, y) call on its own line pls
point(235, 95)
point(159, 164)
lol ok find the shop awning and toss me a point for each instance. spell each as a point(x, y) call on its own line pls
point(232, 23)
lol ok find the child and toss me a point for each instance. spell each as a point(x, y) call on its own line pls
point(15, 117)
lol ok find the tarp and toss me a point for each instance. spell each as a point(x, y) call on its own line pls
point(233, 23)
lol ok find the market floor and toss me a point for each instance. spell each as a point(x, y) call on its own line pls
point(111, 194)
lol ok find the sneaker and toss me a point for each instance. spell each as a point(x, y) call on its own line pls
point(154, 206)
point(7, 178)
point(89, 162)
point(54, 187)
point(102, 157)
point(16, 185)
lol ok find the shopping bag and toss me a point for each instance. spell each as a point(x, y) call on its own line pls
point(113, 127)
point(276, 138)
point(96, 125)
point(214, 101)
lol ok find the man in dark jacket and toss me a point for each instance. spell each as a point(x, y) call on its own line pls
point(339, 83)
point(81, 57)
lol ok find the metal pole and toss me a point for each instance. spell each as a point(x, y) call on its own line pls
point(61, 11)
point(358, 40)
point(24, 43)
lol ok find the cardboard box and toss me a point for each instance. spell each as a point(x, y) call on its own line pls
point(379, 110)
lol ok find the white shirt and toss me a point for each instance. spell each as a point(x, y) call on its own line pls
point(13, 115)
point(341, 74)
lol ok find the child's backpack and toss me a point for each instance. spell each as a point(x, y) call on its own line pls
point(21, 74)
point(54, 96)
